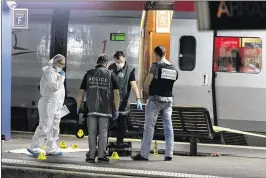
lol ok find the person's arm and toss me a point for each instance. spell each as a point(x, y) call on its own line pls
point(80, 97)
point(81, 91)
point(149, 78)
point(133, 83)
point(116, 99)
point(115, 91)
point(147, 82)
point(135, 89)
point(54, 80)
point(112, 66)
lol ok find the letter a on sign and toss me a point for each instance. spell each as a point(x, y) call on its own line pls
point(223, 9)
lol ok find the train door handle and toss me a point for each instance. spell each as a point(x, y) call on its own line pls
point(205, 79)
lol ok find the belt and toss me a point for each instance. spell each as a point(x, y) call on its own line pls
point(123, 112)
point(161, 99)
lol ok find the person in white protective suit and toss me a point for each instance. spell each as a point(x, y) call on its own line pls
point(52, 92)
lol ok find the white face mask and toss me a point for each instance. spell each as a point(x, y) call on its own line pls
point(120, 65)
point(58, 69)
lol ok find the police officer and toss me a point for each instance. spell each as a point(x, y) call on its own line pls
point(159, 85)
point(127, 80)
point(100, 86)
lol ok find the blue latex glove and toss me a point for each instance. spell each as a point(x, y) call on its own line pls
point(62, 73)
point(115, 115)
point(139, 105)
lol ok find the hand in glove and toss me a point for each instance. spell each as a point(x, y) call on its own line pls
point(139, 105)
point(62, 73)
point(115, 115)
point(115, 122)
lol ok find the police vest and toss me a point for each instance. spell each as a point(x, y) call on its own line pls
point(163, 84)
point(99, 92)
point(122, 78)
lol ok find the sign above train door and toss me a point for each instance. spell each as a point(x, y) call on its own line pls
point(231, 15)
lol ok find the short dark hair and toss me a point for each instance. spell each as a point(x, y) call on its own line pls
point(118, 54)
point(102, 59)
point(160, 51)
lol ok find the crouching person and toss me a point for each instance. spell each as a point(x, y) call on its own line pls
point(102, 93)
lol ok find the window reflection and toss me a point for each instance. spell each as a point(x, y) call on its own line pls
point(234, 54)
point(75, 43)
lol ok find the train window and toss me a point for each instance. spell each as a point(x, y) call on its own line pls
point(238, 55)
point(187, 53)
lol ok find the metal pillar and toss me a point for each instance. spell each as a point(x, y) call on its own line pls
point(6, 30)
point(193, 146)
point(59, 32)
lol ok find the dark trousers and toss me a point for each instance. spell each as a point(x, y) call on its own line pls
point(121, 127)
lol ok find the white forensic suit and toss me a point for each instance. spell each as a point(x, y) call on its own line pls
point(52, 92)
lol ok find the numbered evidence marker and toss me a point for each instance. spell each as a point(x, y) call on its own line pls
point(41, 156)
point(63, 145)
point(115, 156)
point(74, 146)
point(80, 133)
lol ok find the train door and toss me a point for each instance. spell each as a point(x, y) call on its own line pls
point(191, 53)
point(240, 79)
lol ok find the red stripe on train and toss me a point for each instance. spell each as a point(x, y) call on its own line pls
point(184, 6)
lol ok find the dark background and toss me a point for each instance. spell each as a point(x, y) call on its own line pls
point(246, 15)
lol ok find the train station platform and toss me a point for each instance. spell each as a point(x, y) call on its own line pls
point(235, 161)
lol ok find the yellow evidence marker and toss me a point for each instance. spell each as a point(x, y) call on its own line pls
point(63, 145)
point(115, 156)
point(80, 133)
point(41, 156)
point(74, 146)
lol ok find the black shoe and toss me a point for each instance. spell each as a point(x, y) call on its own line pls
point(104, 159)
point(90, 160)
point(138, 157)
point(168, 159)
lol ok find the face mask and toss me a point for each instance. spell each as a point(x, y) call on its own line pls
point(120, 65)
point(59, 69)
